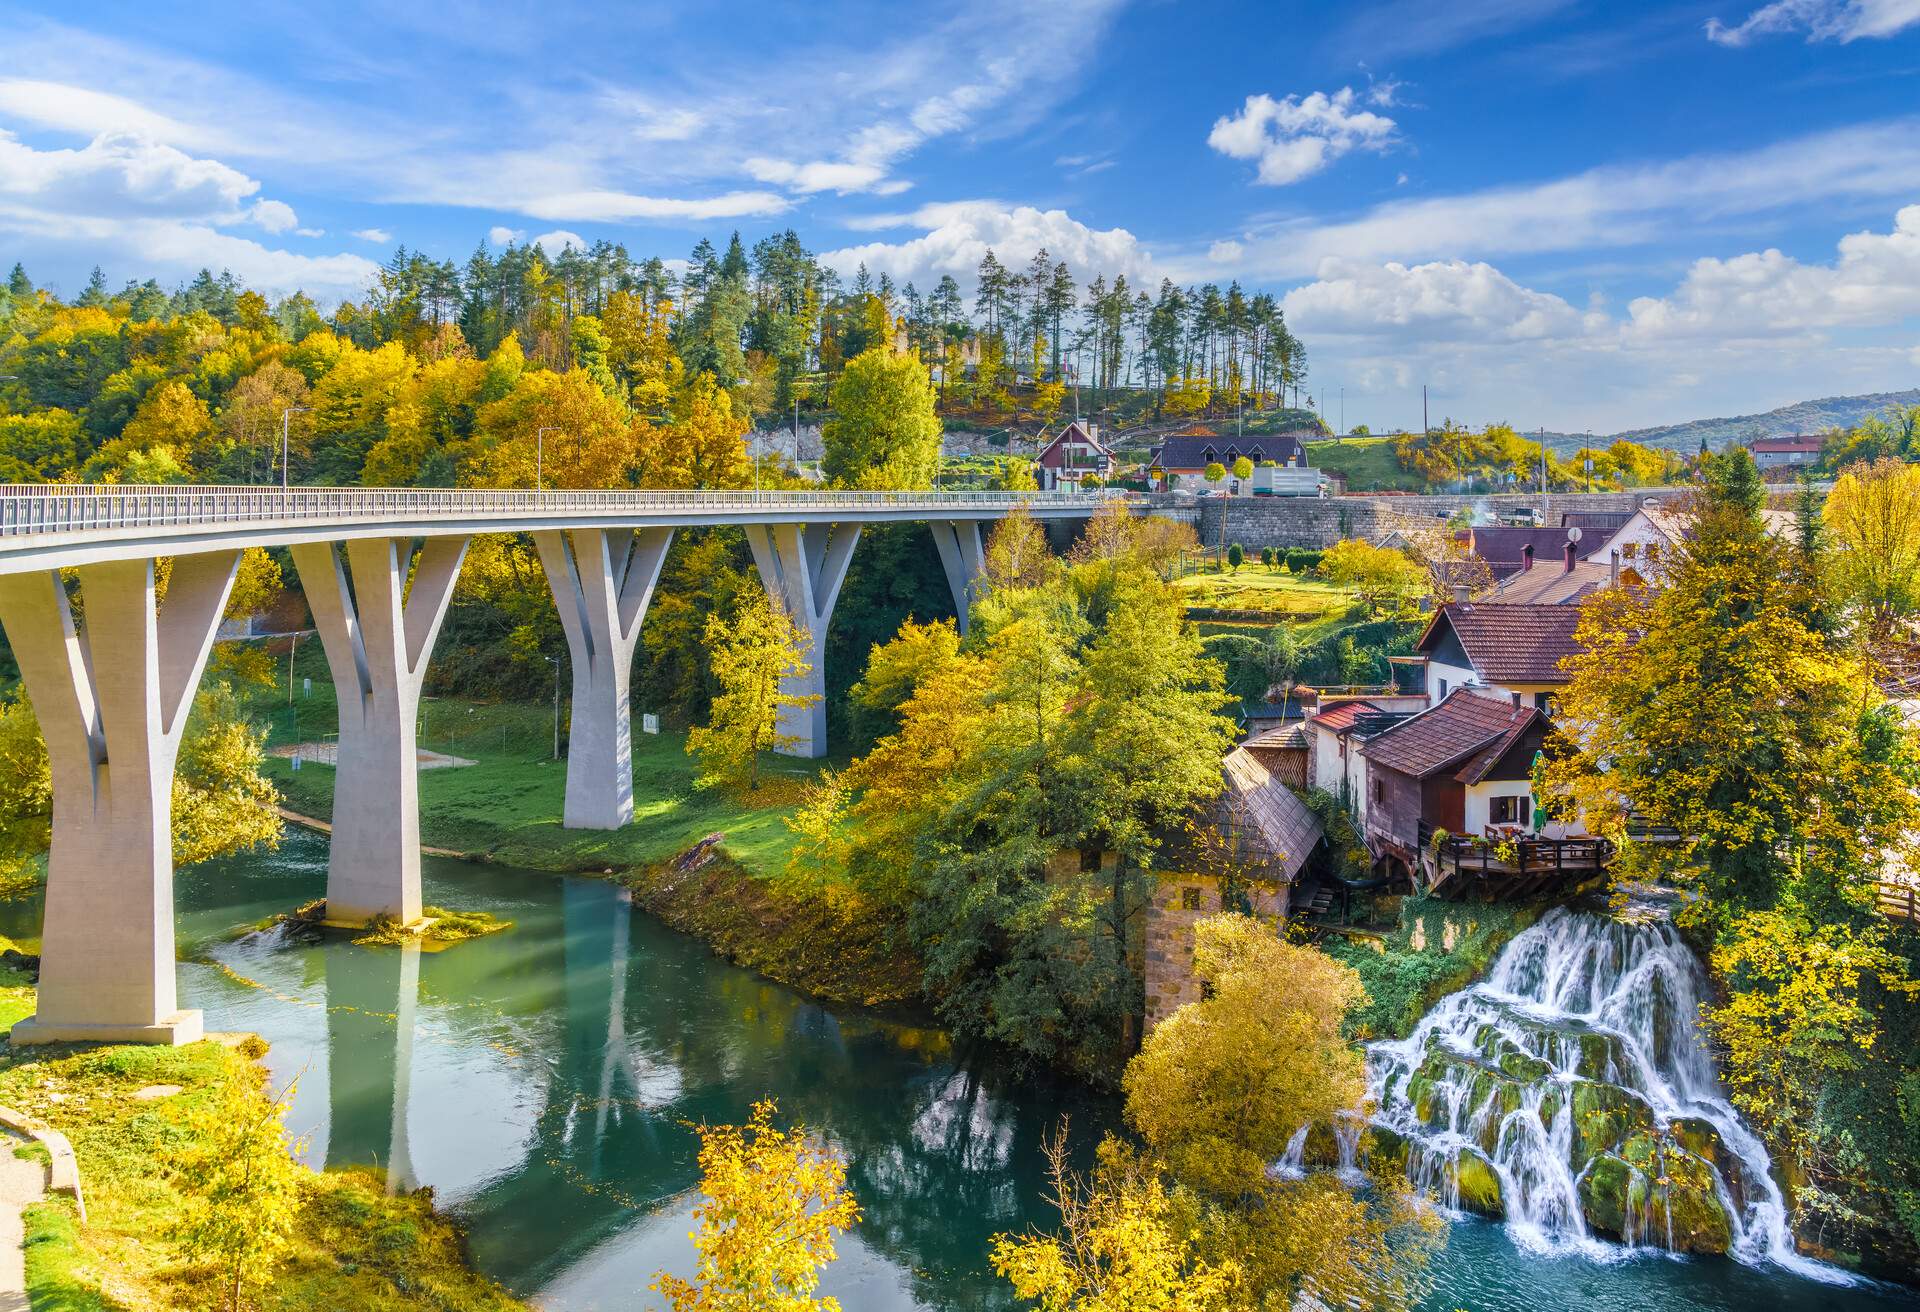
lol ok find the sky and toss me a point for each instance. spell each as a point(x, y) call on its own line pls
point(1566, 214)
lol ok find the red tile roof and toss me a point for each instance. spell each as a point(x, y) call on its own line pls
point(1510, 643)
point(1341, 716)
point(1459, 727)
point(1784, 445)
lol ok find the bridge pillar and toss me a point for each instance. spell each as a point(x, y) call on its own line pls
point(601, 585)
point(112, 698)
point(962, 557)
point(804, 565)
point(378, 634)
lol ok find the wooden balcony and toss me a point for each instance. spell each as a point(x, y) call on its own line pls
point(1495, 869)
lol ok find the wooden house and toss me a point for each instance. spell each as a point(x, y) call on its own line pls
point(1071, 457)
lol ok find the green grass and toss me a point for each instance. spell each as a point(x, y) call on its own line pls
point(1255, 587)
point(507, 807)
point(1438, 948)
point(1367, 463)
point(353, 1246)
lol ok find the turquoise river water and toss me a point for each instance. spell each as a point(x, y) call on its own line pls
point(541, 1081)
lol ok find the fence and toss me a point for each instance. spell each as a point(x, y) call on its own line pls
point(70, 508)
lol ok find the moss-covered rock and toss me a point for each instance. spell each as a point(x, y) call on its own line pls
point(1477, 1184)
point(1655, 1192)
point(1604, 1116)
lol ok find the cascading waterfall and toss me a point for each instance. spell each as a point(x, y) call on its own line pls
point(1293, 1162)
point(1570, 1092)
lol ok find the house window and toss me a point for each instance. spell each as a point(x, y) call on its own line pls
point(1510, 810)
point(1089, 859)
point(1543, 701)
point(1379, 791)
point(1443, 691)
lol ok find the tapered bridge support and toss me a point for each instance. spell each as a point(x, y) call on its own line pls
point(378, 635)
point(112, 699)
point(602, 582)
point(961, 555)
point(804, 565)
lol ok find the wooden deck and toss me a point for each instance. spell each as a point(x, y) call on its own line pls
point(1488, 871)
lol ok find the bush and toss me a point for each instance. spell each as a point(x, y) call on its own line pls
point(1266, 557)
point(1235, 555)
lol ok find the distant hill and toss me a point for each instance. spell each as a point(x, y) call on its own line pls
point(1802, 417)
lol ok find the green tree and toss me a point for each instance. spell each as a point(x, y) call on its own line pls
point(773, 1202)
point(240, 1188)
point(1214, 472)
point(1243, 469)
point(1236, 556)
point(753, 652)
point(884, 432)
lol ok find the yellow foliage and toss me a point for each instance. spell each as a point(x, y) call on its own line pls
point(1873, 512)
point(240, 1187)
point(774, 1201)
point(752, 655)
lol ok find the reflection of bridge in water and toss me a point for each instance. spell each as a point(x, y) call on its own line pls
point(112, 694)
point(622, 1030)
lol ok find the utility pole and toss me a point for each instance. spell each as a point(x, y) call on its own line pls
point(1343, 410)
point(555, 662)
point(1426, 425)
point(1586, 453)
point(284, 444)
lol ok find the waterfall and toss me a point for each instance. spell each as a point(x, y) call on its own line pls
point(1293, 1162)
point(1570, 1092)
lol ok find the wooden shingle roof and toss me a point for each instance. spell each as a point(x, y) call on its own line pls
point(1510, 643)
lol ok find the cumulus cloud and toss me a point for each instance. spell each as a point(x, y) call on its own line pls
point(1225, 252)
point(499, 234)
point(1297, 137)
point(273, 215)
point(1874, 280)
point(1444, 297)
point(123, 173)
point(1821, 20)
point(957, 234)
point(378, 236)
point(560, 241)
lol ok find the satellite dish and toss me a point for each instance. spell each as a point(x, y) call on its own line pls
point(1573, 535)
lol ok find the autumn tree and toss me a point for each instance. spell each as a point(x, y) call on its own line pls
point(1375, 574)
point(1124, 1246)
point(754, 653)
point(773, 1200)
point(884, 432)
point(238, 1184)
point(589, 442)
point(1872, 514)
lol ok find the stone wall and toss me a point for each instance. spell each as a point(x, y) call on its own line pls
point(1256, 522)
point(1178, 902)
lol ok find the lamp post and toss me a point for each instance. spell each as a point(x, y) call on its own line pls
point(555, 662)
point(285, 445)
point(539, 457)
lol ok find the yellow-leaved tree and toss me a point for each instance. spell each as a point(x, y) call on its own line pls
point(774, 1201)
point(752, 653)
point(1873, 513)
point(1126, 1246)
point(239, 1186)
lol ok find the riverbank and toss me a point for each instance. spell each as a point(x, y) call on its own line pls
point(838, 955)
point(122, 1107)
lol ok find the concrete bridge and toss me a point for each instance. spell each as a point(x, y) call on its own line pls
point(112, 688)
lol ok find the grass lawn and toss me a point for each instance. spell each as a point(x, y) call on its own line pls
point(1316, 606)
point(507, 806)
point(353, 1246)
point(1367, 463)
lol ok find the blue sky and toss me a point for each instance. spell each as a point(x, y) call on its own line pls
point(1554, 212)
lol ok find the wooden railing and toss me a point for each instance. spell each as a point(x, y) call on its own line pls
point(1898, 901)
point(1522, 856)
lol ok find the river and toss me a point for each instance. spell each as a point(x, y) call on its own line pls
point(541, 1080)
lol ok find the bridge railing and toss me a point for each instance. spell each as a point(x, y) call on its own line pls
point(33, 508)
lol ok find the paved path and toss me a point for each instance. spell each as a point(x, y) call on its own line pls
point(22, 1182)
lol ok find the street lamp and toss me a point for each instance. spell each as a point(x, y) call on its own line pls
point(539, 456)
point(555, 662)
point(284, 444)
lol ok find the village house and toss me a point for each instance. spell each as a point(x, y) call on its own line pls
point(1337, 731)
point(1508, 550)
point(1450, 802)
point(1655, 530)
point(1245, 851)
point(1072, 456)
point(1180, 462)
point(1512, 652)
point(1795, 452)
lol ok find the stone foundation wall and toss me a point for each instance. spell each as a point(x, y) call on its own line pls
point(1178, 902)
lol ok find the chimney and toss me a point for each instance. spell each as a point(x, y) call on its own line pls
point(1459, 594)
point(1569, 556)
point(1614, 568)
point(1526, 557)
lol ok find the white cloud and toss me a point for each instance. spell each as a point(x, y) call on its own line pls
point(1821, 20)
point(1605, 207)
point(378, 236)
point(1449, 297)
point(1873, 281)
point(500, 234)
point(273, 215)
point(309, 232)
point(557, 242)
point(819, 175)
point(1225, 252)
point(614, 206)
point(121, 173)
point(1297, 137)
point(89, 113)
point(957, 234)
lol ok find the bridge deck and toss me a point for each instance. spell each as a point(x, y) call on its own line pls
point(45, 526)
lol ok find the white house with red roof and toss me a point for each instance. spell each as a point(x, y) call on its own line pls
point(1074, 454)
